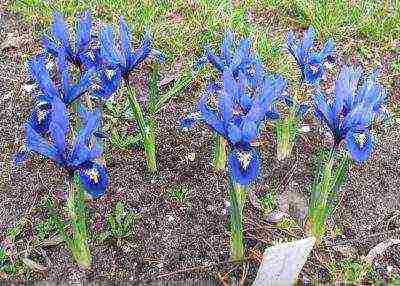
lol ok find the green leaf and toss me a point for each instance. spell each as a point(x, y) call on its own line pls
point(128, 223)
point(60, 225)
point(153, 88)
point(181, 83)
point(341, 172)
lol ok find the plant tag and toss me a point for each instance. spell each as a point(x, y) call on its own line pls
point(282, 263)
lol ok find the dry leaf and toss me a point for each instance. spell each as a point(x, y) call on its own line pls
point(276, 216)
point(167, 79)
point(11, 41)
point(283, 201)
point(191, 156)
point(345, 250)
point(253, 199)
point(379, 249)
point(34, 265)
point(52, 241)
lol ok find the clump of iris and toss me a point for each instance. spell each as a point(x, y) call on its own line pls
point(349, 114)
point(237, 112)
point(244, 64)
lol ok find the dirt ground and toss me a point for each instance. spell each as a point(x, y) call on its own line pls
point(168, 236)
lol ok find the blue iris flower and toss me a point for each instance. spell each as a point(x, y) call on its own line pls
point(106, 83)
point(124, 58)
point(349, 115)
point(40, 116)
point(67, 91)
point(249, 85)
point(301, 109)
point(240, 127)
point(78, 155)
point(310, 63)
point(60, 38)
point(235, 60)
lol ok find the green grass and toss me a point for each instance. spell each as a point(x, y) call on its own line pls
point(120, 225)
point(268, 202)
point(204, 22)
point(350, 270)
point(178, 194)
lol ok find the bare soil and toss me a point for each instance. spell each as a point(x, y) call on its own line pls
point(177, 238)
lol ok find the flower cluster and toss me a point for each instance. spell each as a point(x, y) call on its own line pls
point(350, 112)
point(237, 105)
point(238, 116)
point(100, 73)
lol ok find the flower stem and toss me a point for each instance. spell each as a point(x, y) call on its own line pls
point(219, 160)
point(76, 207)
point(323, 192)
point(148, 134)
point(238, 195)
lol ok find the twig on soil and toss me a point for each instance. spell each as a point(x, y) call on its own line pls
point(397, 214)
point(222, 278)
point(245, 271)
point(338, 204)
point(365, 239)
point(199, 268)
point(256, 238)
point(285, 180)
point(270, 226)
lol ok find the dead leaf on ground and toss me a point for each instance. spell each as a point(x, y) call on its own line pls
point(11, 42)
point(171, 75)
point(276, 216)
point(293, 203)
point(345, 250)
point(253, 199)
point(174, 18)
point(379, 249)
point(33, 265)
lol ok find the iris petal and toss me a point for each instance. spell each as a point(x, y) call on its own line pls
point(107, 47)
point(226, 48)
point(141, 53)
point(210, 117)
point(94, 179)
point(125, 42)
point(81, 151)
point(20, 158)
point(83, 31)
point(37, 69)
point(234, 133)
point(323, 109)
point(244, 166)
point(40, 117)
point(360, 152)
point(60, 29)
point(36, 143)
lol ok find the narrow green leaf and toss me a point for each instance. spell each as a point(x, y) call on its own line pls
point(181, 83)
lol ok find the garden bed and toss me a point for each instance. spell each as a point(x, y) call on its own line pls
point(181, 232)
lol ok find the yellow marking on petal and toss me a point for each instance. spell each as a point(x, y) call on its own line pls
point(93, 175)
point(360, 139)
point(255, 143)
point(110, 73)
point(314, 68)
